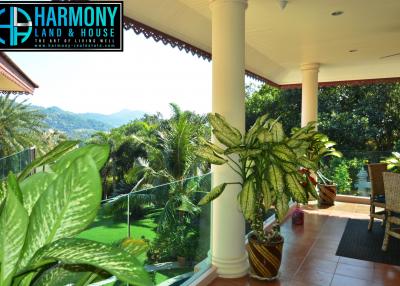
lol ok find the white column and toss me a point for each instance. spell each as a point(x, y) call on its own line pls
point(228, 67)
point(309, 97)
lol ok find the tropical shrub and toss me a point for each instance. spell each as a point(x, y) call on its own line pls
point(269, 163)
point(319, 150)
point(41, 214)
point(355, 165)
point(341, 177)
point(344, 172)
point(393, 162)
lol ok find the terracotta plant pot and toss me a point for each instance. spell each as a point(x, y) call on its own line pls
point(327, 194)
point(265, 259)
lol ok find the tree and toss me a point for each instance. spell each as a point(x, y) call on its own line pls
point(21, 126)
point(358, 118)
point(282, 104)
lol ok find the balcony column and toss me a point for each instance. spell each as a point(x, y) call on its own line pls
point(309, 93)
point(228, 94)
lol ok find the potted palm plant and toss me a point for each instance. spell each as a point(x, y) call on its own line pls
point(320, 148)
point(268, 165)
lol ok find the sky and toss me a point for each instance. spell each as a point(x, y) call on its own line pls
point(146, 76)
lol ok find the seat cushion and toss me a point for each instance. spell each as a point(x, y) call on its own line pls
point(379, 199)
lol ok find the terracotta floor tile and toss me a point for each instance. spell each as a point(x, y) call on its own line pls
point(247, 281)
point(313, 277)
point(355, 271)
point(309, 254)
point(388, 275)
point(289, 269)
point(356, 262)
point(339, 280)
point(319, 265)
point(326, 244)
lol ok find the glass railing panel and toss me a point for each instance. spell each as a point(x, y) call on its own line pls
point(15, 163)
point(168, 218)
point(110, 225)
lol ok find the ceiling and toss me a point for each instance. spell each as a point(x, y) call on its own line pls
point(279, 41)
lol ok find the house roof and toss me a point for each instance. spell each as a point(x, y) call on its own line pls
point(13, 78)
point(361, 44)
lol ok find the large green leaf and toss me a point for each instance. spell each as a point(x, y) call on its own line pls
point(13, 186)
point(33, 187)
point(277, 132)
point(288, 167)
point(275, 177)
point(67, 207)
point(265, 136)
point(226, 132)
point(281, 206)
point(134, 247)
point(213, 194)
point(283, 152)
point(213, 146)
point(209, 155)
point(251, 135)
point(223, 122)
point(65, 275)
point(99, 154)
point(243, 151)
point(225, 139)
point(295, 188)
point(266, 194)
point(3, 192)
point(50, 157)
point(306, 163)
point(13, 227)
point(247, 199)
point(85, 252)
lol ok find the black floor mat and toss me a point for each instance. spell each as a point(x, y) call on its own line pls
point(359, 243)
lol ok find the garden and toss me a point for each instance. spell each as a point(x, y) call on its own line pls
point(151, 174)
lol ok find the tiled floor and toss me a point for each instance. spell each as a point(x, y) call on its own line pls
point(309, 254)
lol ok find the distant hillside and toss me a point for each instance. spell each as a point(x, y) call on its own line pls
point(116, 119)
point(81, 126)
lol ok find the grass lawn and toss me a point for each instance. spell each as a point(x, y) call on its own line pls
point(108, 230)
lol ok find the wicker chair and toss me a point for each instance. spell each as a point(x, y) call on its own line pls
point(377, 198)
point(392, 194)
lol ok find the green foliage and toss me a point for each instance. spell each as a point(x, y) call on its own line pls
point(355, 117)
point(320, 150)
point(393, 162)
point(282, 104)
point(355, 165)
point(268, 165)
point(156, 151)
point(40, 215)
point(20, 126)
point(180, 240)
point(344, 173)
point(341, 176)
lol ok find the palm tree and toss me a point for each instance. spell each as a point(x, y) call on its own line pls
point(173, 159)
point(169, 160)
point(21, 126)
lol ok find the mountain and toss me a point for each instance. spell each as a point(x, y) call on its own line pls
point(116, 119)
point(82, 125)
